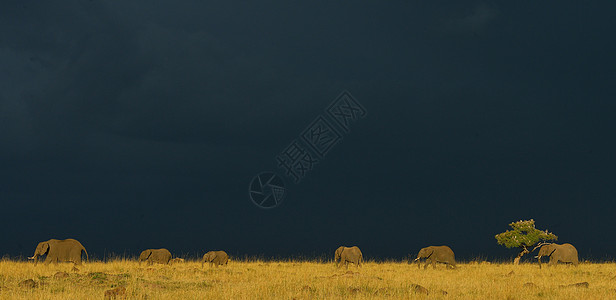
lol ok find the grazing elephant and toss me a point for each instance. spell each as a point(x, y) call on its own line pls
point(215, 258)
point(68, 250)
point(348, 255)
point(434, 254)
point(161, 256)
point(565, 253)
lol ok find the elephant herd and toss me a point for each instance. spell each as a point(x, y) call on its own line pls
point(163, 256)
point(565, 253)
point(70, 250)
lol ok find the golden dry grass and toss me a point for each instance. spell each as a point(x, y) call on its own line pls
point(306, 280)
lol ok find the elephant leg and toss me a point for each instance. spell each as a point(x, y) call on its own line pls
point(434, 264)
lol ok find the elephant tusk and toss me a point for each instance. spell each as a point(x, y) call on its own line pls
point(31, 257)
point(416, 259)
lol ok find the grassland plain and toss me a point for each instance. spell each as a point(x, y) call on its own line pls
point(305, 280)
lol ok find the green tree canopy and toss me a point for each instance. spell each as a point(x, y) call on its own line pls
point(523, 235)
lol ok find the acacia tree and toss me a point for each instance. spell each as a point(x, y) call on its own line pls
point(524, 235)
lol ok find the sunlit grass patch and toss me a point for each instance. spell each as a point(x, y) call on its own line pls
point(258, 279)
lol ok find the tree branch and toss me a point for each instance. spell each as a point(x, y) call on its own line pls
point(539, 245)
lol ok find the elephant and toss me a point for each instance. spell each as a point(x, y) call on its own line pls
point(348, 255)
point(434, 254)
point(215, 258)
point(565, 253)
point(68, 250)
point(176, 260)
point(161, 256)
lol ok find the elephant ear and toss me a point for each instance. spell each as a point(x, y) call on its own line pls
point(45, 248)
point(338, 252)
point(148, 253)
point(429, 252)
point(553, 248)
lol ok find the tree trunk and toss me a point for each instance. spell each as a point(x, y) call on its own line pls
point(516, 260)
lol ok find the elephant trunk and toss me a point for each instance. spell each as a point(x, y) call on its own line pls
point(35, 258)
point(84, 250)
point(418, 262)
point(539, 260)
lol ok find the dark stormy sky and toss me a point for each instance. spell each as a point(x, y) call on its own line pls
point(139, 124)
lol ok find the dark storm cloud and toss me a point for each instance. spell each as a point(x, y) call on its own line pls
point(480, 17)
point(123, 92)
point(118, 117)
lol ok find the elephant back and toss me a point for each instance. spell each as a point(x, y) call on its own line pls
point(222, 257)
point(165, 255)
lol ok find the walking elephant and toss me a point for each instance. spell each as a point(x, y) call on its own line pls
point(150, 256)
point(564, 253)
point(434, 254)
point(68, 250)
point(348, 255)
point(216, 258)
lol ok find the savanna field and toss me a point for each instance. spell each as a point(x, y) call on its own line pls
point(126, 279)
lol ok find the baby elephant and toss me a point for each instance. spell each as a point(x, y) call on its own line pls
point(434, 254)
point(215, 258)
point(177, 260)
point(161, 256)
point(348, 255)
